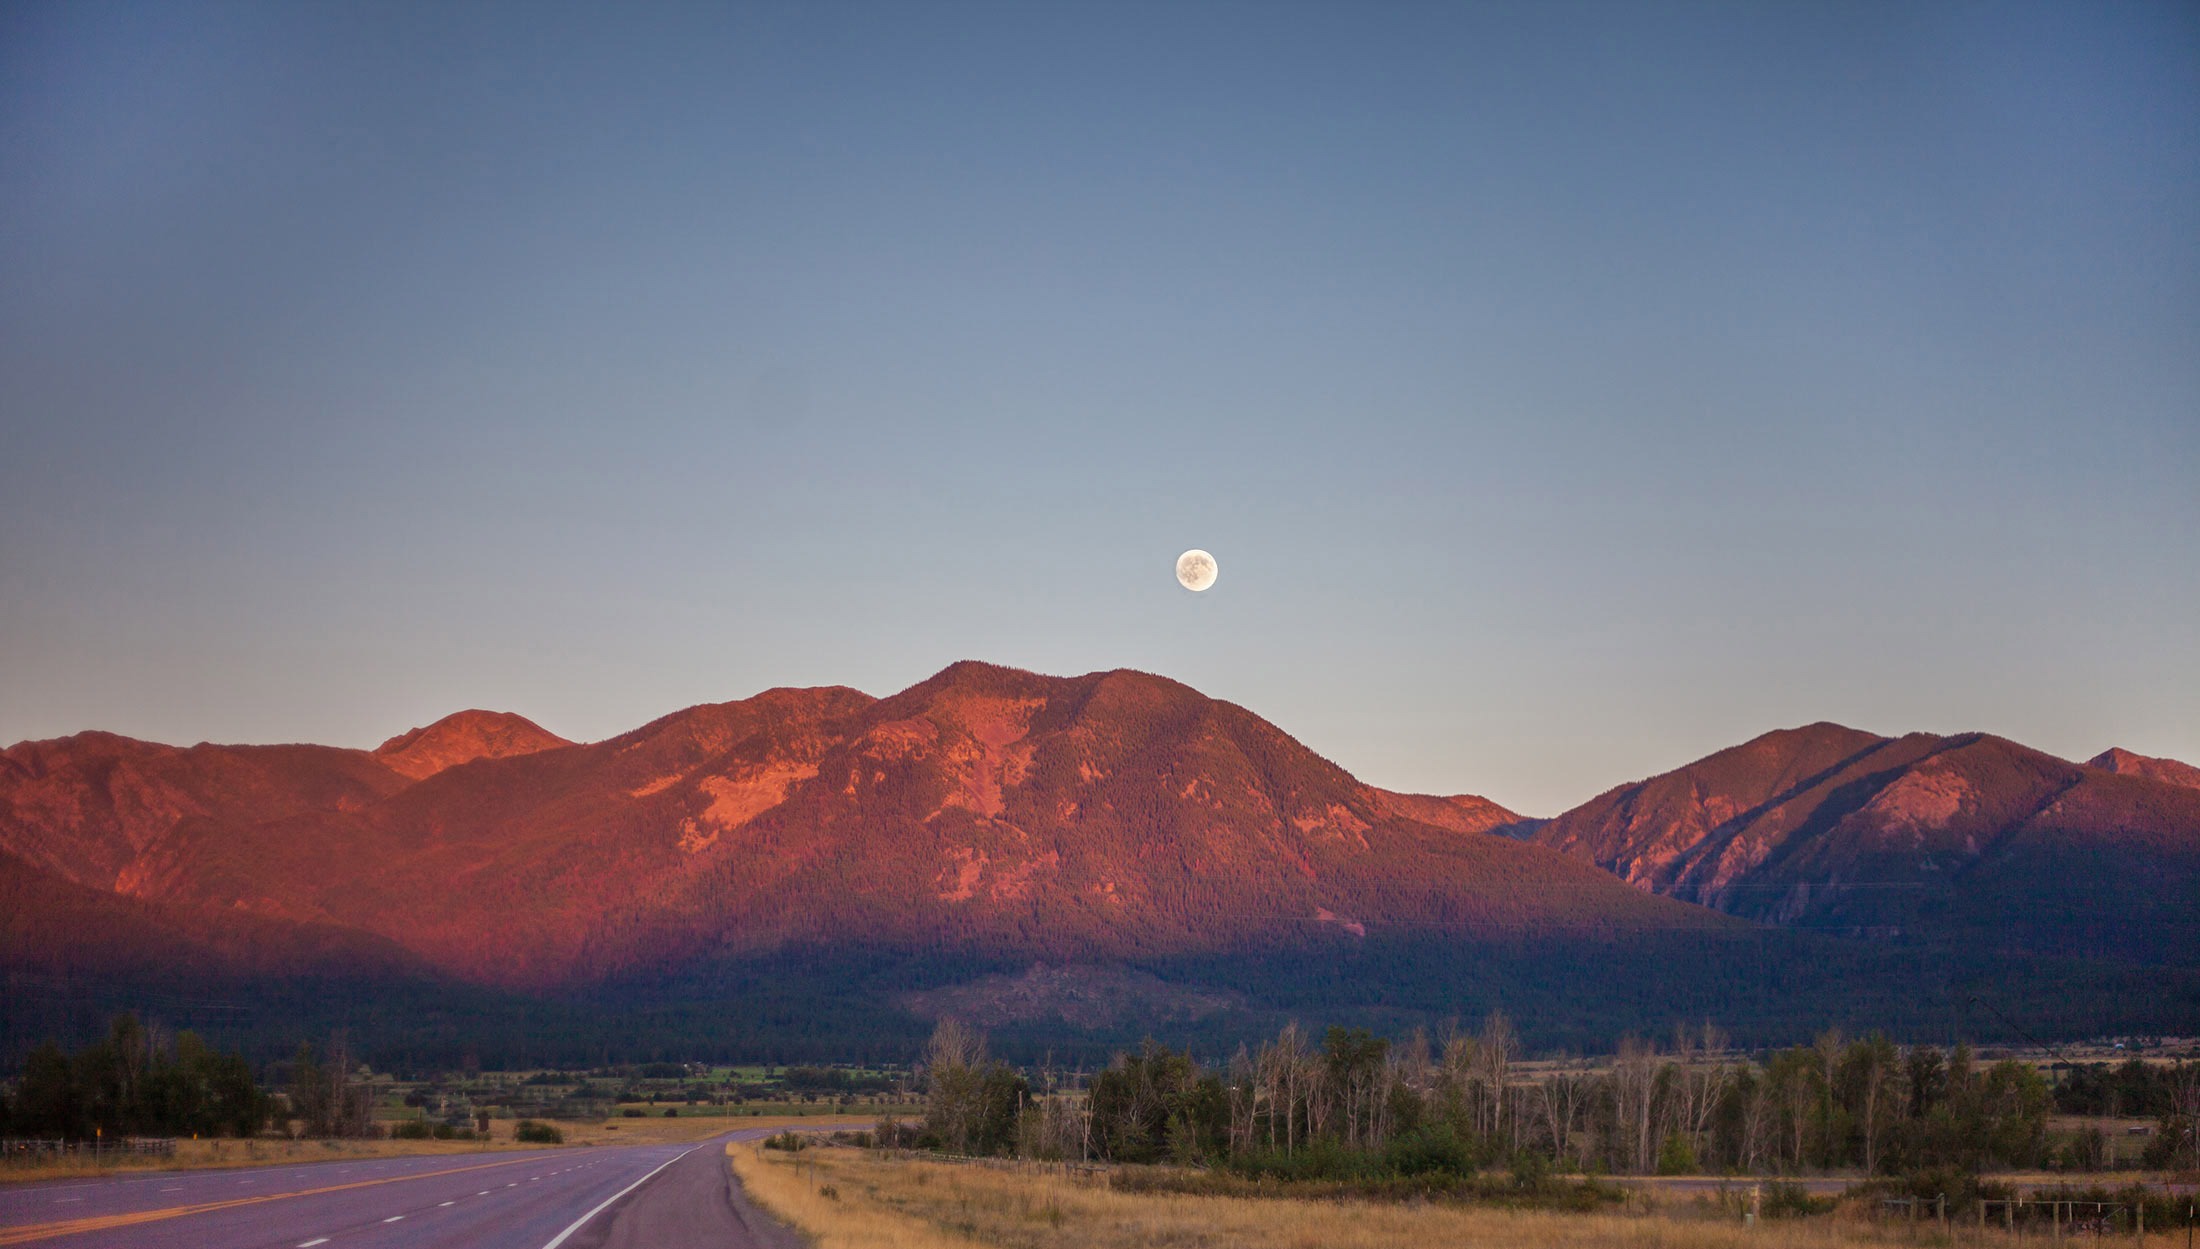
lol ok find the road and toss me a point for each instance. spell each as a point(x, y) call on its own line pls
point(623, 1197)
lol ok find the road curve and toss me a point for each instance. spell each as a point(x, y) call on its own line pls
point(619, 1197)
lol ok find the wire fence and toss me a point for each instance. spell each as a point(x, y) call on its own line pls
point(37, 1149)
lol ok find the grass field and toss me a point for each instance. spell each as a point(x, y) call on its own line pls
point(855, 1199)
point(274, 1151)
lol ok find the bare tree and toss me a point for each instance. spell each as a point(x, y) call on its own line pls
point(1286, 1072)
point(951, 1064)
point(1241, 1079)
point(1828, 1049)
point(1495, 1050)
point(1562, 1097)
point(1634, 1095)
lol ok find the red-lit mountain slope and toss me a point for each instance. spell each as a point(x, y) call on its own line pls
point(1971, 838)
point(1112, 814)
point(2117, 759)
point(463, 738)
point(56, 926)
point(88, 807)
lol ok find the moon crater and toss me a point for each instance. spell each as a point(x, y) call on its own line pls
point(1195, 569)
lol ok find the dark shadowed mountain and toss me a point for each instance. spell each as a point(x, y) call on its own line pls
point(1970, 839)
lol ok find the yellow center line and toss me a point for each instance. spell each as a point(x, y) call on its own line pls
point(101, 1222)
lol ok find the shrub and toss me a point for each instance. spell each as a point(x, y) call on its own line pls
point(530, 1132)
point(1676, 1156)
point(1531, 1171)
point(412, 1130)
point(790, 1140)
point(1787, 1200)
point(1430, 1151)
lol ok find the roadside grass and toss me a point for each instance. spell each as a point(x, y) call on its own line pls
point(670, 1131)
point(874, 1110)
point(264, 1151)
point(856, 1199)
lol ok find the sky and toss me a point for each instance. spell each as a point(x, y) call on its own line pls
point(1565, 391)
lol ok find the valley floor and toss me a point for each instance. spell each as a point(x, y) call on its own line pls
point(855, 1199)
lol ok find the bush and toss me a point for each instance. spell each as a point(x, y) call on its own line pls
point(2176, 1143)
point(1430, 1151)
point(412, 1130)
point(530, 1132)
point(1531, 1171)
point(1959, 1187)
point(1788, 1200)
point(672, 1112)
point(1676, 1156)
point(1323, 1158)
point(791, 1141)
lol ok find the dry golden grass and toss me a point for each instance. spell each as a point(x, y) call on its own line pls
point(883, 1202)
point(202, 1155)
point(196, 1155)
point(654, 1131)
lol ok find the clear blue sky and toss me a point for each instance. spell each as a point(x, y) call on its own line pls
point(1565, 390)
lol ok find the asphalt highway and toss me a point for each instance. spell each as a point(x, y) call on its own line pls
point(622, 1197)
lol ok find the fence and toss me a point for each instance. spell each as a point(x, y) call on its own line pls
point(2049, 1218)
point(36, 1150)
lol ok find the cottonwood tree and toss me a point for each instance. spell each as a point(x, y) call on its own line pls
point(974, 1106)
point(1868, 1073)
point(327, 1098)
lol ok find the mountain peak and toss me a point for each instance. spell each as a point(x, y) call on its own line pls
point(2117, 759)
point(463, 737)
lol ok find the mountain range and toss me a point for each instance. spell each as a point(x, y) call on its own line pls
point(1070, 855)
point(1970, 838)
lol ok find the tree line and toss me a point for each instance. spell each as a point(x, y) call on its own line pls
point(1357, 1104)
point(137, 1081)
point(140, 1080)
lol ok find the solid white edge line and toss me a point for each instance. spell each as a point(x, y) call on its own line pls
point(582, 1221)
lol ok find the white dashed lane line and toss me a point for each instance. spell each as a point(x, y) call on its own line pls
point(393, 1218)
point(309, 1244)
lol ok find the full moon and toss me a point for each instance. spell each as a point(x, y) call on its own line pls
point(1195, 569)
